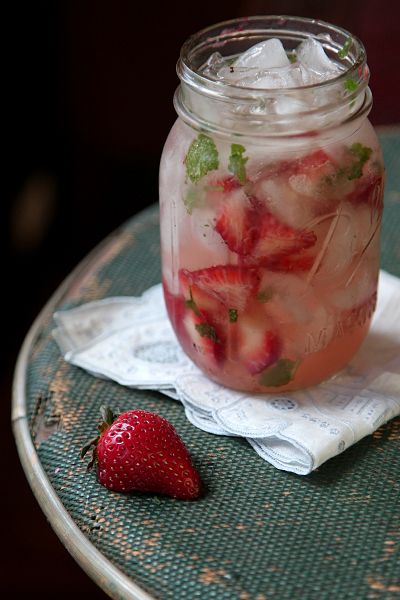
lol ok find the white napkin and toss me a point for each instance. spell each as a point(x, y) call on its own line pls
point(130, 341)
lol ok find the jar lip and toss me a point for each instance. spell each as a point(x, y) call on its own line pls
point(217, 35)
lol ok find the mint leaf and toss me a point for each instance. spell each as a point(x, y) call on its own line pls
point(346, 47)
point(190, 199)
point(292, 56)
point(361, 155)
point(361, 152)
point(207, 330)
point(233, 315)
point(201, 158)
point(350, 85)
point(265, 295)
point(192, 304)
point(281, 373)
point(237, 162)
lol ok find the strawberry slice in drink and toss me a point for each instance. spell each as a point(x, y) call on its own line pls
point(368, 190)
point(290, 264)
point(251, 231)
point(258, 345)
point(231, 285)
point(204, 337)
point(196, 298)
point(277, 240)
point(236, 222)
point(313, 165)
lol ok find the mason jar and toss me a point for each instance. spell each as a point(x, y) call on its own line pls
point(271, 206)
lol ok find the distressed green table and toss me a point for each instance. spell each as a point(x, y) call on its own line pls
point(258, 533)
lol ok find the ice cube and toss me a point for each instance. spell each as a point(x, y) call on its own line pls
point(357, 290)
point(284, 203)
point(263, 66)
point(336, 247)
point(267, 80)
point(311, 55)
point(268, 54)
point(215, 63)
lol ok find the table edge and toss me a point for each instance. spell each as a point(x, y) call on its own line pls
point(112, 580)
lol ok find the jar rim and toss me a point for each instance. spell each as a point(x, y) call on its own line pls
point(223, 105)
point(219, 34)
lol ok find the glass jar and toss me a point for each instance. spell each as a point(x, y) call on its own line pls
point(271, 205)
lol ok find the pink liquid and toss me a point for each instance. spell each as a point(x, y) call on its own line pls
point(270, 283)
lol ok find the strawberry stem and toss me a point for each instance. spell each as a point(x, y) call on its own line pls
point(107, 419)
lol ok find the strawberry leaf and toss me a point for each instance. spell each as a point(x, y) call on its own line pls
point(281, 373)
point(237, 162)
point(201, 158)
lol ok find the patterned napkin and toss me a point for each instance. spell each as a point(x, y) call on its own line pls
point(130, 341)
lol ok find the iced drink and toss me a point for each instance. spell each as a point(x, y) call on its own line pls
point(270, 214)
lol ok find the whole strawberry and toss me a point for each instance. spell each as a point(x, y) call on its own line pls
point(141, 451)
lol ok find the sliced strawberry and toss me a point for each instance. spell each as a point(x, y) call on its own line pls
point(204, 336)
point(232, 285)
point(312, 163)
point(229, 183)
point(275, 239)
point(258, 347)
point(218, 187)
point(175, 304)
point(197, 298)
point(236, 223)
point(368, 190)
point(290, 264)
point(360, 314)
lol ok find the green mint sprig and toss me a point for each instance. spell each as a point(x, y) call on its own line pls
point(350, 85)
point(190, 303)
point(208, 331)
point(361, 155)
point(280, 373)
point(190, 199)
point(201, 158)
point(233, 315)
point(343, 52)
point(237, 162)
point(265, 295)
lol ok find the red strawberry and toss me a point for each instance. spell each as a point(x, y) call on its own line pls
point(290, 264)
point(358, 315)
point(175, 304)
point(232, 285)
point(312, 164)
point(229, 183)
point(368, 190)
point(236, 223)
point(258, 347)
point(195, 296)
point(204, 335)
point(277, 239)
point(141, 451)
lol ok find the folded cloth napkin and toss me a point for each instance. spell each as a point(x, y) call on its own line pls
point(131, 341)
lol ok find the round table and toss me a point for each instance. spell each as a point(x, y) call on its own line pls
point(257, 533)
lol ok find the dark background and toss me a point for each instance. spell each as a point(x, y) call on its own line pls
point(88, 92)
